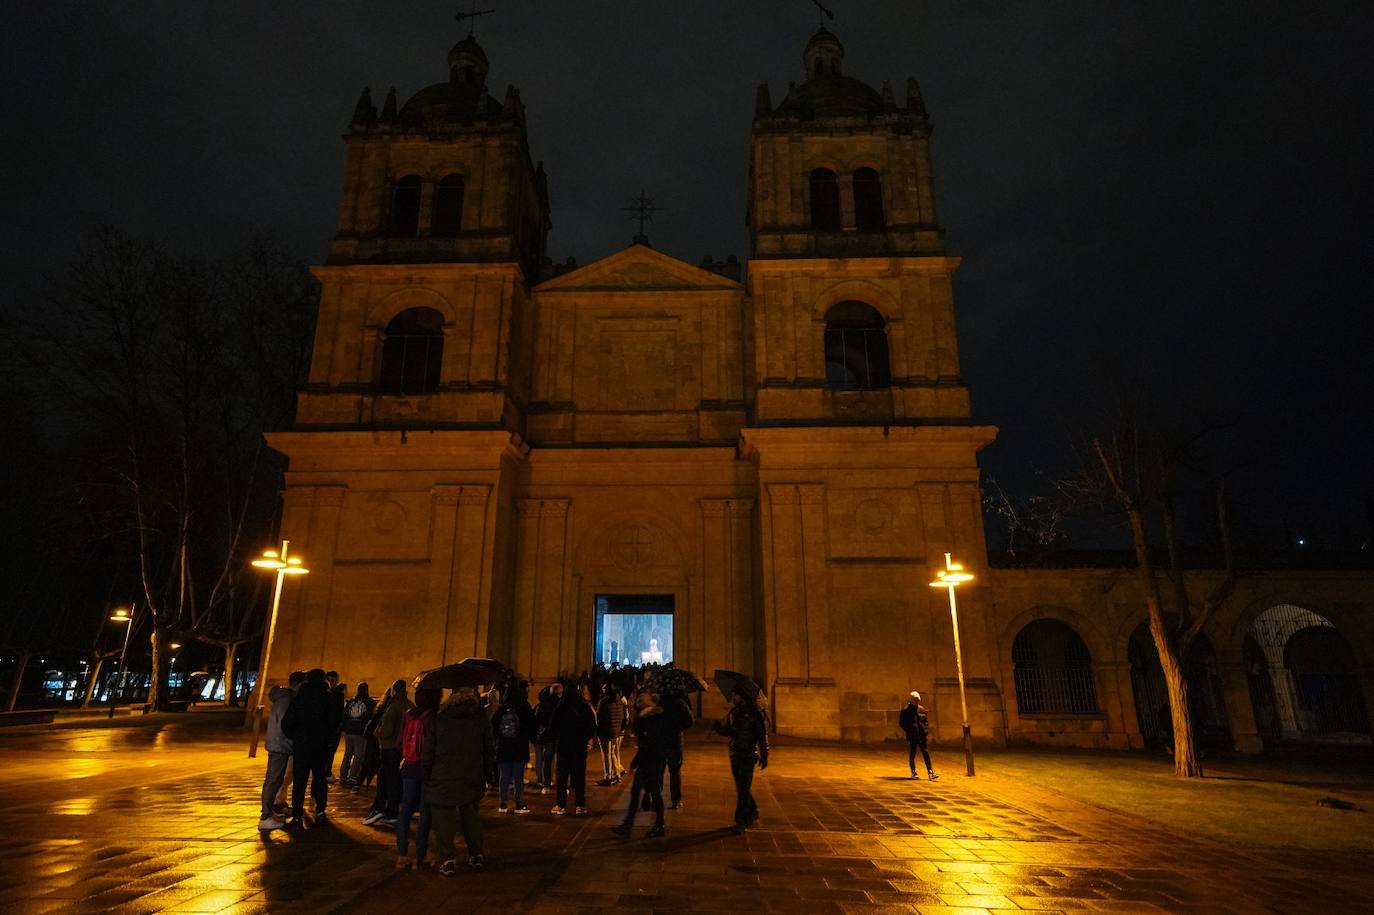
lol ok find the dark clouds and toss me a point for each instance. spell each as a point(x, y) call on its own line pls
point(1174, 193)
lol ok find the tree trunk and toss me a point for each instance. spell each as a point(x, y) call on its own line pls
point(1186, 764)
point(154, 702)
point(21, 662)
point(231, 649)
point(93, 681)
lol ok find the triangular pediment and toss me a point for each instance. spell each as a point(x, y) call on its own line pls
point(638, 268)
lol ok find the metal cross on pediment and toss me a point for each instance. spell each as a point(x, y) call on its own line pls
point(824, 13)
point(471, 15)
point(643, 210)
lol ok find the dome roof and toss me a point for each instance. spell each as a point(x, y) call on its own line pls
point(449, 103)
point(832, 96)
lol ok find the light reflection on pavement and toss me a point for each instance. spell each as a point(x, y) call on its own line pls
point(161, 815)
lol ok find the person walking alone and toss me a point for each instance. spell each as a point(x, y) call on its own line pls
point(356, 715)
point(278, 750)
point(654, 729)
point(747, 729)
point(574, 725)
point(311, 723)
point(915, 723)
point(456, 763)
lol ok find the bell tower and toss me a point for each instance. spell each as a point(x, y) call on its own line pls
point(860, 424)
point(443, 222)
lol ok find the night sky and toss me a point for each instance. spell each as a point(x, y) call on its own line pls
point(1175, 197)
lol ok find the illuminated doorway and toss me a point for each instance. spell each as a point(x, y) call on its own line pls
point(634, 629)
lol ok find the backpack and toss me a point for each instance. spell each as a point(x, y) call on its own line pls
point(508, 726)
point(413, 738)
point(357, 709)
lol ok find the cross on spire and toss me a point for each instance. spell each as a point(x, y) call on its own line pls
point(471, 15)
point(823, 13)
point(642, 209)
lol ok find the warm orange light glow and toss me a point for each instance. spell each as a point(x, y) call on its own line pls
point(120, 616)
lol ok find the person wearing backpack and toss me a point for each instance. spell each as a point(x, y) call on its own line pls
point(357, 712)
point(915, 723)
point(544, 737)
point(574, 725)
point(513, 725)
point(417, 726)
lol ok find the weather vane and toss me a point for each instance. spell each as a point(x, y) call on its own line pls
point(824, 13)
point(471, 16)
point(642, 209)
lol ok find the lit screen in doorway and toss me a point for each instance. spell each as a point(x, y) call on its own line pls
point(634, 629)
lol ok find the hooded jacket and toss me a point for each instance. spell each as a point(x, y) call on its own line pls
point(280, 697)
point(574, 725)
point(457, 760)
point(312, 719)
point(388, 731)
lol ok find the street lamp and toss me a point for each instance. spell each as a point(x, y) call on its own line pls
point(951, 577)
point(127, 618)
point(283, 565)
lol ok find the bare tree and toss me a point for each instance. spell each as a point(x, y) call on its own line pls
point(165, 360)
point(1131, 467)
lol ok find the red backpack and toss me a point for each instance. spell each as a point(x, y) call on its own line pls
point(413, 737)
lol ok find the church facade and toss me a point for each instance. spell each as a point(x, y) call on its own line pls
point(757, 467)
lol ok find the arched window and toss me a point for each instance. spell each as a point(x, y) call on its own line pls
point(1052, 671)
point(448, 207)
point(1206, 700)
point(825, 200)
point(405, 207)
point(856, 347)
point(868, 201)
point(412, 352)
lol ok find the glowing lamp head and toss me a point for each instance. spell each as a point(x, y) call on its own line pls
point(293, 567)
point(270, 560)
point(120, 616)
point(952, 577)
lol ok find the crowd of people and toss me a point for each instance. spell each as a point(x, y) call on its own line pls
point(436, 757)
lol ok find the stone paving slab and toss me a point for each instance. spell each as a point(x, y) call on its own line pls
point(839, 833)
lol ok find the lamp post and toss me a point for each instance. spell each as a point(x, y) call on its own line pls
point(283, 565)
point(951, 577)
point(127, 618)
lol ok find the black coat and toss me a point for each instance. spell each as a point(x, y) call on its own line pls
point(914, 722)
point(312, 719)
point(573, 725)
point(655, 733)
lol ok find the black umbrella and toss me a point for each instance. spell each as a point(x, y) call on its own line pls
point(675, 681)
point(727, 681)
point(460, 675)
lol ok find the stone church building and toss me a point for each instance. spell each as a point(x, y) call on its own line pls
point(754, 466)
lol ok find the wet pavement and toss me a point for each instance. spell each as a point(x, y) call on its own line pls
point(148, 818)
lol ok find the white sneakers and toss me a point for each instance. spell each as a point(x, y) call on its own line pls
point(270, 824)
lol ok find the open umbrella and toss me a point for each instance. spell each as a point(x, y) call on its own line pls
point(675, 681)
point(460, 675)
point(727, 681)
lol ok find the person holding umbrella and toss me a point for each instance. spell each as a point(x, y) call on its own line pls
point(747, 729)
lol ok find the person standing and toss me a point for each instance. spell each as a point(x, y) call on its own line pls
point(610, 727)
point(747, 729)
point(915, 723)
point(387, 733)
point(680, 716)
point(311, 723)
point(574, 725)
point(356, 714)
point(654, 729)
point(456, 763)
point(337, 692)
point(513, 727)
point(417, 730)
point(544, 738)
point(278, 750)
